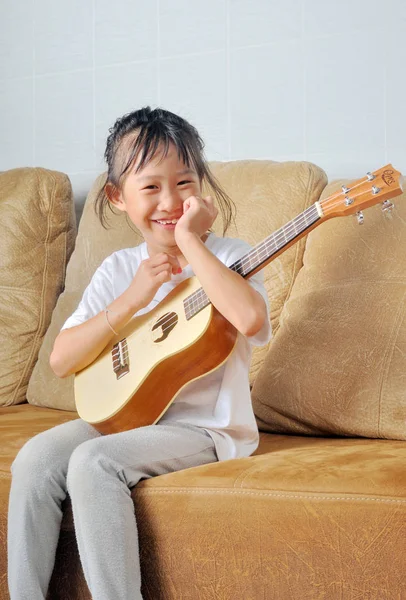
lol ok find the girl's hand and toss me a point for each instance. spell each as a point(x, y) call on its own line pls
point(151, 274)
point(198, 216)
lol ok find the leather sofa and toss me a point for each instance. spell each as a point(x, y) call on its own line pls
point(319, 511)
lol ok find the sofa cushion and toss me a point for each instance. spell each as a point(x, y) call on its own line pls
point(309, 518)
point(20, 423)
point(37, 238)
point(302, 514)
point(337, 363)
point(267, 195)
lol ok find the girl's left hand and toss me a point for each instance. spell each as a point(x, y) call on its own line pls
point(198, 216)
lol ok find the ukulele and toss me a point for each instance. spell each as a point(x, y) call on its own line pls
point(138, 375)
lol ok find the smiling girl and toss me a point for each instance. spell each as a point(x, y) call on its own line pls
point(156, 169)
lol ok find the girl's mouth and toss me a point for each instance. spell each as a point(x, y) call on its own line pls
point(168, 224)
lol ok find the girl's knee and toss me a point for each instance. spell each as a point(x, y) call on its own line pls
point(33, 458)
point(36, 469)
point(85, 465)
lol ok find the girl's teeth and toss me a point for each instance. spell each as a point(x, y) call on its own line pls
point(166, 222)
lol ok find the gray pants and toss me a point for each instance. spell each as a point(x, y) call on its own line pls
point(98, 472)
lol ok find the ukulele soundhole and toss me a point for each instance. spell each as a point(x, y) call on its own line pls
point(164, 326)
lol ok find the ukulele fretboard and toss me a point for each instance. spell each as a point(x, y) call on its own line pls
point(257, 258)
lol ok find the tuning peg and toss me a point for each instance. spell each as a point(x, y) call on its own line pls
point(360, 217)
point(387, 207)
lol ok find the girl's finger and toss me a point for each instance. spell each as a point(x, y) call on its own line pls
point(171, 264)
point(161, 269)
point(160, 259)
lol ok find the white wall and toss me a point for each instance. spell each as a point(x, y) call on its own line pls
point(317, 80)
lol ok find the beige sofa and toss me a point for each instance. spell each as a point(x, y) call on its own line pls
point(319, 511)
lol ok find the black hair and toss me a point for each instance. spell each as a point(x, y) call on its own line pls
point(151, 128)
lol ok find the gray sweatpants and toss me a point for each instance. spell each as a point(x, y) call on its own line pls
point(98, 472)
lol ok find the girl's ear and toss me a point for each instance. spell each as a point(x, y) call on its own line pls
point(114, 196)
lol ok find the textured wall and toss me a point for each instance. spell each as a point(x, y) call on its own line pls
point(292, 79)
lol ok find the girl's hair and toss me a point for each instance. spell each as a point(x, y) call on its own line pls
point(141, 132)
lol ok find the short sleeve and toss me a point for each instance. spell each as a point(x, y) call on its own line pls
point(238, 249)
point(98, 294)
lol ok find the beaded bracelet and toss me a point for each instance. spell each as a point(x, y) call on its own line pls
point(107, 310)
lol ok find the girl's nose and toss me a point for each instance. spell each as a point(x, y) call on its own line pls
point(170, 201)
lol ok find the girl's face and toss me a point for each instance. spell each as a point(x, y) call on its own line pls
point(156, 194)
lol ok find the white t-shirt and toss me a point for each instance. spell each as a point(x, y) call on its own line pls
point(220, 401)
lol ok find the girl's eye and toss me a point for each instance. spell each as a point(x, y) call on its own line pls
point(150, 187)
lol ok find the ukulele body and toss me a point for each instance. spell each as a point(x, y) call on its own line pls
point(142, 370)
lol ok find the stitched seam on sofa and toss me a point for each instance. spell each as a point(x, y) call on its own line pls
point(388, 355)
point(28, 364)
point(5, 474)
point(64, 246)
point(295, 496)
point(244, 474)
point(65, 250)
point(300, 243)
point(9, 288)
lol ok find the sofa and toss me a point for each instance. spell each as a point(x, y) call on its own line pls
point(319, 510)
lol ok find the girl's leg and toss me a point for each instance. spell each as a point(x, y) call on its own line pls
point(100, 475)
point(38, 488)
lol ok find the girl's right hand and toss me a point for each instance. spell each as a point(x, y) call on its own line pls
point(151, 274)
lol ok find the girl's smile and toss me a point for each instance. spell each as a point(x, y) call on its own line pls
point(167, 224)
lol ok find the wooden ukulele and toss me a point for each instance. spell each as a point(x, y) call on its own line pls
point(138, 375)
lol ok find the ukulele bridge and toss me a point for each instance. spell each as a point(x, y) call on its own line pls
point(119, 355)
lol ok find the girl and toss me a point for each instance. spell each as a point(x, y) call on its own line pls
point(156, 168)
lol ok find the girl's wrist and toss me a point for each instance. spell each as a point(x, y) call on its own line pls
point(128, 303)
point(183, 238)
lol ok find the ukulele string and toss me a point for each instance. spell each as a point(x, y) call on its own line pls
point(262, 250)
point(281, 233)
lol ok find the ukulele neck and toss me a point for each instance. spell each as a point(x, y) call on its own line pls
point(260, 255)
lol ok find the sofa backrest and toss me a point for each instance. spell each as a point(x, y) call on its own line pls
point(37, 237)
point(337, 365)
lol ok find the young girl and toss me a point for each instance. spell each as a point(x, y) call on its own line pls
point(156, 168)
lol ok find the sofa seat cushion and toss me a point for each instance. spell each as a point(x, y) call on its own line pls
point(305, 518)
point(300, 514)
point(303, 514)
point(282, 463)
point(297, 465)
point(20, 423)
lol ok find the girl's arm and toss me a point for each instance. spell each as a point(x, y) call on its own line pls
point(230, 293)
point(76, 347)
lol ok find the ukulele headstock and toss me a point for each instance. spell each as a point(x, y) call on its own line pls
point(376, 187)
